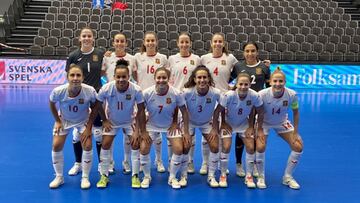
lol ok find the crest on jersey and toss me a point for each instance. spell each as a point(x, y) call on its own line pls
point(223, 62)
point(168, 100)
point(128, 97)
point(192, 62)
point(258, 71)
point(157, 61)
point(81, 101)
point(208, 100)
point(248, 102)
point(285, 103)
point(95, 58)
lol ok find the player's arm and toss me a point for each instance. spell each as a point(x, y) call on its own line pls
point(186, 135)
point(296, 115)
point(56, 116)
point(215, 119)
point(260, 120)
point(94, 111)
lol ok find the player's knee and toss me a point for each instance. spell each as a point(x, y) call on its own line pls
point(87, 147)
point(250, 149)
point(144, 149)
point(106, 145)
point(57, 147)
point(260, 148)
point(214, 148)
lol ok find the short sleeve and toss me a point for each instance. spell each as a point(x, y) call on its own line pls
point(54, 97)
point(139, 98)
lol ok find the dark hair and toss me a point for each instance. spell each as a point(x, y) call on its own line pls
point(162, 69)
point(86, 28)
point(183, 33)
point(143, 48)
point(71, 66)
point(191, 82)
point(249, 43)
point(239, 76)
point(122, 64)
point(120, 33)
point(225, 48)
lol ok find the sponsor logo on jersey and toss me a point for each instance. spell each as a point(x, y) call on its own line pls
point(157, 61)
point(192, 62)
point(208, 100)
point(128, 97)
point(248, 102)
point(223, 62)
point(2, 70)
point(81, 101)
point(285, 103)
point(168, 100)
point(258, 71)
point(95, 58)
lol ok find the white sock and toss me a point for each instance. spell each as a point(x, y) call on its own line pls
point(192, 149)
point(292, 162)
point(104, 162)
point(184, 165)
point(86, 163)
point(145, 163)
point(170, 152)
point(112, 153)
point(249, 159)
point(175, 164)
point(135, 161)
point(127, 149)
point(205, 150)
point(260, 163)
point(158, 141)
point(213, 163)
point(224, 160)
point(58, 162)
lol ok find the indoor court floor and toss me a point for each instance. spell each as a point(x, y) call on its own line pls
point(328, 171)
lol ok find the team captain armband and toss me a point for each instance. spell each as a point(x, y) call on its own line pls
point(295, 105)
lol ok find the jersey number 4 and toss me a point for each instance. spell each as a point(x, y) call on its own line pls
point(275, 111)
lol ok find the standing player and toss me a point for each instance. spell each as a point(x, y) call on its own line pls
point(181, 66)
point(239, 105)
point(146, 63)
point(220, 63)
point(260, 75)
point(277, 101)
point(201, 98)
point(121, 96)
point(90, 61)
point(108, 66)
point(161, 101)
point(74, 100)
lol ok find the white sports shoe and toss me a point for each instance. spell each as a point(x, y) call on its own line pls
point(159, 166)
point(174, 183)
point(212, 182)
point(291, 182)
point(249, 182)
point(223, 181)
point(255, 172)
point(59, 180)
point(191, 168)
point(239, 170)
point(126, 167)
point(183, 181)
point(75, 169)
point(85, 183)
point(145, 183)
point(261, 182)
point(203, 169)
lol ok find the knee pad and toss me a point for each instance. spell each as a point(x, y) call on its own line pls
point(97, 132)
point(76, 136)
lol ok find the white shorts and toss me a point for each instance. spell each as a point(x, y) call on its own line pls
point(80, 128)
point(279, 128)
point(154, 134)
point(127, 130)
point(204, 129)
